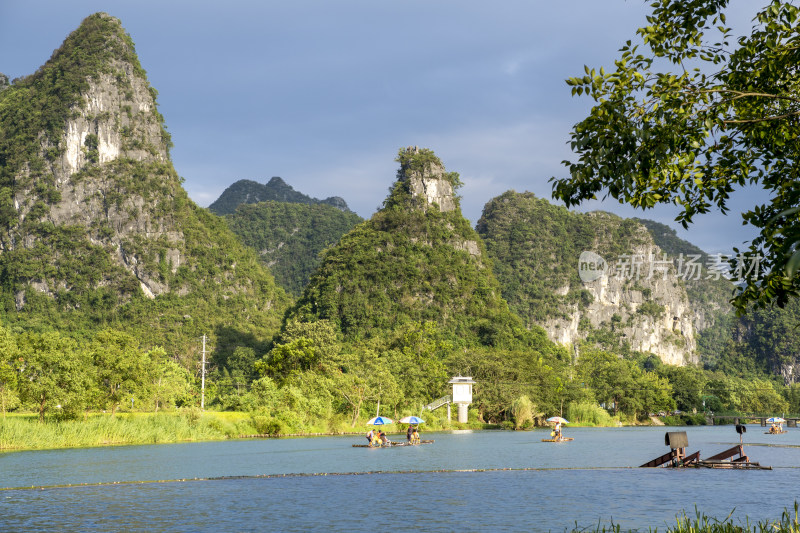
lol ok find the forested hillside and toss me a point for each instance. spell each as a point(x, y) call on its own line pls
point(95, 228)
point(289, 237)
point(412, 261)
point(403, 302)
point(638, 304)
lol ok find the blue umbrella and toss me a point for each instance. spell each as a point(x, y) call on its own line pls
point(412, 420)
point(775, 420)
point(379, 421)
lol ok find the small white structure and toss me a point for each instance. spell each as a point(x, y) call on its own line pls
point(462, 395)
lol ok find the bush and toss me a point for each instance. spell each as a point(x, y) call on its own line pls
point(523, 409)
point(192, 415)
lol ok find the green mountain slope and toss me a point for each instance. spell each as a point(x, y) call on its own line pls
point(95, 228)
point(290, 236)
point(636, 305)
point(417, 259)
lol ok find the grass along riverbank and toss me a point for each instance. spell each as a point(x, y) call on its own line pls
point(22, 432)
point(25, 431)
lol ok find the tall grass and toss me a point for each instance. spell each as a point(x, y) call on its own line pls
point(789, 522)
point(23, 433)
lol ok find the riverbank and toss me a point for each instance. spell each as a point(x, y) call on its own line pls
point(20, 432)
point(25, 432)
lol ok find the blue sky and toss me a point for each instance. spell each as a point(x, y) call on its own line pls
point(324, 93)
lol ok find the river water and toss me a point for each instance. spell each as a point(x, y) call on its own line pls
point(465, 481)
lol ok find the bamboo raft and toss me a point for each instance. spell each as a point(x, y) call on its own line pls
point(733, 458)
point(562, 439)
point(775, 432)
point(393, 444)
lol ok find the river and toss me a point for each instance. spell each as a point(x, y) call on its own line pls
point(465, 481)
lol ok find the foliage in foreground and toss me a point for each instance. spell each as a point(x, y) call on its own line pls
point(701, 523)
point(696, 117)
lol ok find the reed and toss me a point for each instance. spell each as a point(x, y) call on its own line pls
point(27, 433)
point(789, 522)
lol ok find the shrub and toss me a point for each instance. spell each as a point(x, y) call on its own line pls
point(522, 408)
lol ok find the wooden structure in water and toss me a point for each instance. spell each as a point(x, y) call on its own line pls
point(732, 458)
point(558, 439)
point(393, 444)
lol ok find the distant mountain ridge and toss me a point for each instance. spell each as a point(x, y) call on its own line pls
point(252, 192)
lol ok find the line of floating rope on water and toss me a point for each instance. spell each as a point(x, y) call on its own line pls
point(321, 474)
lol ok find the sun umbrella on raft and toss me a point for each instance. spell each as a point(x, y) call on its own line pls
point(557, 420)
point(775, 420)
point(379, 421)
point(411, 420)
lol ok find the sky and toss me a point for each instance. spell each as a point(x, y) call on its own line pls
point(324, 94)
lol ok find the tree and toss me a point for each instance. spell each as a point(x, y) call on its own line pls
point(170, 383)
point(359, 376)
point(717, 119)
point(8, 372)
point(621, 382)
point(122, 368)
point(688, 383)
point(301, 346)
point(53, 373)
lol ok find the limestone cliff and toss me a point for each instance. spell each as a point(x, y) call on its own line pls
point(628, 295)
point(636, 297)
point(76, 172)
point(426, 180)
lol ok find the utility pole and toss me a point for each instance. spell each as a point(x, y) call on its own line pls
point(203, 378)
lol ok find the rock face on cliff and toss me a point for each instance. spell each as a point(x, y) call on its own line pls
point(594, 277)
point(426, 180)
point(416, 260)
point(252, 192)
point(92, 213)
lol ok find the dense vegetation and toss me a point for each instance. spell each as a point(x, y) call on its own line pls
point(80, 268)
point(289, 237)
point(535, 247)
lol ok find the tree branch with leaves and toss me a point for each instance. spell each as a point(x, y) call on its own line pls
point(696, 117)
